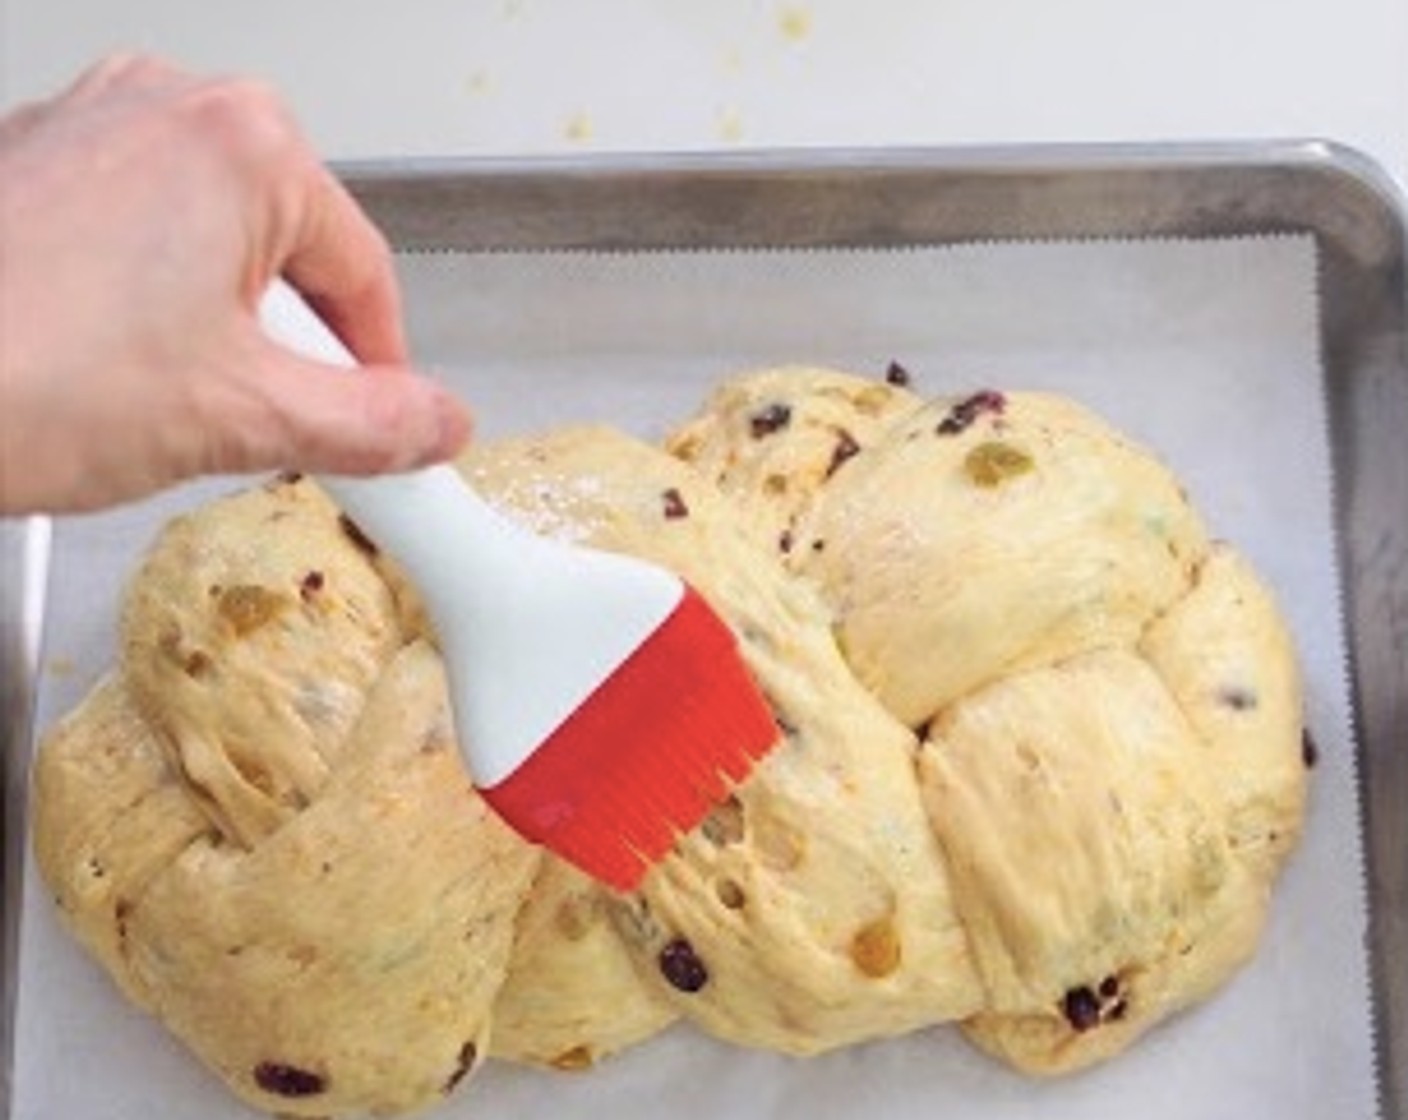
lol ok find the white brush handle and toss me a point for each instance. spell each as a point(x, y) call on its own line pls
point(529, 626)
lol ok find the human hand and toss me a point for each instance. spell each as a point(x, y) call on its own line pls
point(143, 212)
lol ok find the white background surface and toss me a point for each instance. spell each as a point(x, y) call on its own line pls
point(460, 77)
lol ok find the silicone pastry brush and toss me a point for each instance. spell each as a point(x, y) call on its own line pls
point(602, 706)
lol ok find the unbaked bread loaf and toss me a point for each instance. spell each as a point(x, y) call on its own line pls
point(1039, 762)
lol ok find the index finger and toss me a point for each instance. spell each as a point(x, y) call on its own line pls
point(343, 265)
point(302, 222)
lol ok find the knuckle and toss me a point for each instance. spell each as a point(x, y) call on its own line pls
point(139, 65)
point(115, 66)
point(123, 70)
point(243, 117)
point(108, 67)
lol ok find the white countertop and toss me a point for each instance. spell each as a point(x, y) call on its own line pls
point(459, 77)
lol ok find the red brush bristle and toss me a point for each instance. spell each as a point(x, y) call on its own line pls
point(658, 743)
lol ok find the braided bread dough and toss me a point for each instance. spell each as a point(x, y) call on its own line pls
point(1039, 762)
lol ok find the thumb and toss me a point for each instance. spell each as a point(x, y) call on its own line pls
point(370, 420)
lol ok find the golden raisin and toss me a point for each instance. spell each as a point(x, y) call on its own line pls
point(873, 399)
point(725, 824)
point(780, 847)
point(574, 916)
point(686, 446)
point(875, 948)
point(731, 894)
point(993, 463)
point(247, 607)
point(577, 1058)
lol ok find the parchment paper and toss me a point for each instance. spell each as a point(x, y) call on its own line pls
point(1207, 352)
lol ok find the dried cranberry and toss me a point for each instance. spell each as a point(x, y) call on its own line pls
point(896, 374)
point(354, 533)
point(1109, 987)
point(311, 584)
point(121, 911)
point(846, 448)
point(288, 1081)
point(961, 415)
point(1081, 1007)
point(771, 419)
point(681, 966)
point(247, 607)
point(675, 507)
point(1237, 698)
point(468, 1053)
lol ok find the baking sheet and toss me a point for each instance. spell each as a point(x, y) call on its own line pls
point(1206, 351)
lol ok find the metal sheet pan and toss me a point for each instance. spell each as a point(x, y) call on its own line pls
point(942, 197)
